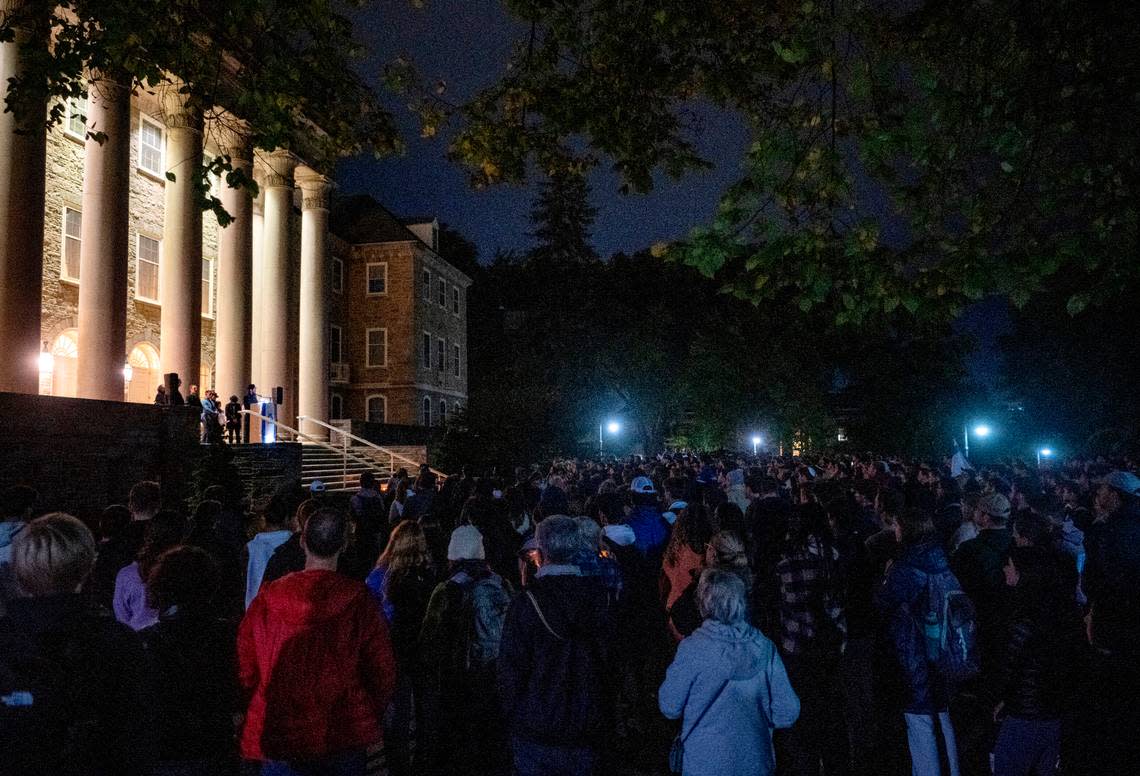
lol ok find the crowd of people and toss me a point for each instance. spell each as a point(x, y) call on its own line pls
point(699, 614)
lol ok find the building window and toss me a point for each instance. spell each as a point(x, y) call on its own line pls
point(72, 240)
point(455, 299)
point(336, 269)
point(208, 288)
point(427, 351)
point(456, 408)
point(335, 339)
point(440, 350)
point(442, 412)
point(441, 296)
point(455, 360)
point(378, 279)
point(146, 276)
point(377, 347)
point(151, 144)
point(427, 285)
point(377, 409)
point(76, 122)
point(336, 407)
point(427, 411)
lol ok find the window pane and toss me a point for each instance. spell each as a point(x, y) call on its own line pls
point(207, 287)
point(455, 300)
point(377, 345)
point(427, 411)
point(336, 281)
point(376, 409)
point(72, 231)
point(455, 360)
point(427, 285)
point(441, 297)
point(76, 108)
point(146, 285)
point(377, 278)
point(334, 344)
point(150, 147)
point(439, 355)
point(442, 411)
point(427, 350)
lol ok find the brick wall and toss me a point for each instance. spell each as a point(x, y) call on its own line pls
point(264, 468)
point(82, 455)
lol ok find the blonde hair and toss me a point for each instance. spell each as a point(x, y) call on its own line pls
point(407, 550)
point(728, 549)
point(53, 554)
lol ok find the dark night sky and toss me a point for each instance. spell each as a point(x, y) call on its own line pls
point(467, 43)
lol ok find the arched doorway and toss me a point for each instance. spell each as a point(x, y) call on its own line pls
point(144, 373)
point(65, 364)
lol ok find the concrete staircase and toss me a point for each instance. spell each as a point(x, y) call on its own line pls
point(340, 471)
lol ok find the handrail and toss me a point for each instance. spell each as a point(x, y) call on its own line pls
point(309, 439)
point(383, 450)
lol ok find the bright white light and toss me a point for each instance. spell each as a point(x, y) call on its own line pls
point(613, 427)
point(982, 431)
point(267, 436)
point(756, 441)
point(1046, 452)
point(128, 373)
point(47, 362)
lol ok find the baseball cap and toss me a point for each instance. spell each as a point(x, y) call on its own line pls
point(316, 486)
point(994, 505)
point(642, 485)
point(1125, 482)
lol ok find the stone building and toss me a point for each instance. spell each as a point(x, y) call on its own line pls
point(111, 276)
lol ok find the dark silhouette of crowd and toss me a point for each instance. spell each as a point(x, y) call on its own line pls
point(700, 614)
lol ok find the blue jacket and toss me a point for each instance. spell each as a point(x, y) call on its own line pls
point(734, 736)
point(650, 529)
point(897, 600)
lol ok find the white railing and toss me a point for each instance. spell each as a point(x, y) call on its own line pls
point(300, 436)
point(345, 445)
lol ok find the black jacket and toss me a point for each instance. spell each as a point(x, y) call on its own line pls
point(87, 680)
point(554, 677)
point(1112, 581)
point(195, 672)
point(1037, 660)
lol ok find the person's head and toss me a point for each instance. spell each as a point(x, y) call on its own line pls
point(891, 504)
point(17, 503)
point(193, 389)
point(1118, 489)
point(559, 540)
point(466, 544)
point(693, 529)
point(325, 535)
point(162, 390)
point(728, 517)
point(1030, 529)
point(367, 481)
point(276, 513)
point(112, 520)
point(914, 526)
point(251, 388)
point(722, 596)
point(234, 399)
point(611, 509)
point(145, 500)
point(183, 576)
point(726, 549)
point(407, 547)
point(642, 491)
point(53, 555)
point(590, 534)
point(992, 511)
point(206, 517)
point(165, 530)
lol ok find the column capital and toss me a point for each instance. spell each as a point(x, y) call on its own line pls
point(316, 190)
point(232, 135)
point(277, 168)
point(178, 109)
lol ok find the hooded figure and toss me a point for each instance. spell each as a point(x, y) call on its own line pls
point(735, 489)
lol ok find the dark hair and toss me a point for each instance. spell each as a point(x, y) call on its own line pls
point(183, 576)
point(892, 502)
point(17, 500)
point(693, 529)
point(729, 517)
point(326, 532)
point(145, 497)
point(367, 479)
point(277, 511)
point(917, 525)
point(611, 508)
point(165, 530)
point(1032, 527)
point(112, 520)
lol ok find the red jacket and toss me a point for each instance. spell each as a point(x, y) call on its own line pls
point(316, 663)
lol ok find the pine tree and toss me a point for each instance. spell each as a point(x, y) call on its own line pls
point(562, 217)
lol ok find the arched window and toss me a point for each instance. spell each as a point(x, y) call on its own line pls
point(426, 419)
point(145, 373)
point(377, 409)
point(64, 365)
point(442, 412)
point(336, 407)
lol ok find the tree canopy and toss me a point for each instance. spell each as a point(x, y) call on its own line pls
point(912, 156)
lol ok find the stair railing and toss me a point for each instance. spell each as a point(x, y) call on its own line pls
point(393, 456)
point(300, 436)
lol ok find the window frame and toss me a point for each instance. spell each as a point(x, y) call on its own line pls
point(334, 400)
point(443, 412)
point(159, 174)
point(441, 292)
point(368, 278)
point(425, 412)
point(456, 360)
point(440, 354)
point(139, 237)
point(208, 310)
point(368, 348)
point(72, 108)
point(425, 279)
point(368, 407)
point(426, 357)
point(63, 243)
point(336, 282)
point(455, 293)
point(338, 339)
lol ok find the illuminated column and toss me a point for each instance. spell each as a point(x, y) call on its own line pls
point(23, 148)
point(313, 355)
point(235, 254)
point(258, 226)
point(180, 272)
point(275, 269)
point(103, 249)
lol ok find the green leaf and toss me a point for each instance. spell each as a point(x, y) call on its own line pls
point(170, 177)
point(1077, 303)
point(1006, 167)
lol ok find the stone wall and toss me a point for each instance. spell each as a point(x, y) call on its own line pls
point(81, 454)
point(263, 468)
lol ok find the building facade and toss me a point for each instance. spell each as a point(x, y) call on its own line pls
point(111, 275)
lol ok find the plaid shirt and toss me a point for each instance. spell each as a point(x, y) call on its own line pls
point(808, 592)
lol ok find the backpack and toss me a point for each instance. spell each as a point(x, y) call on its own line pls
point(482, 611)
point(48, 719)
point(948, 623)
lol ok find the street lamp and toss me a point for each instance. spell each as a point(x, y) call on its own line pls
point(756, 440)
point(1044, 452)
point(981, 431)
point(613, 427)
